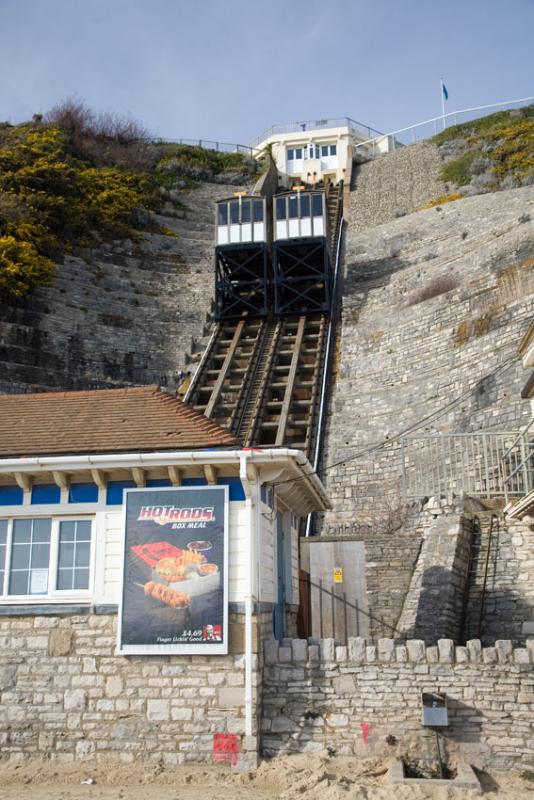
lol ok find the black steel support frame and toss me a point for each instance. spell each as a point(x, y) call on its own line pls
point(296, 275)
point(241, 280)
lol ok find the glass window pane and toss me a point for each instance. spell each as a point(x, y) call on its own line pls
point(280, 208)
point(317, 205)
point(293, 207)
point(18, 582)
point(222, 214)
point(324, 150)
point(66, 554)
point(65, 578)
point(83, 531)
point(257, 210)
point(83, 551)
point(20, 556)
point(67, 531)
point(3, 531)
point(234, 212)
point(40, 556)
point(298, 152)
point(41, 530)
point(22, 530)
point(81, 579)
point(305, 205)
point(245, 211)
point(333, 149)
point(290, 154)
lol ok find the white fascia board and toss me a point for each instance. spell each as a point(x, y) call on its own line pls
point(295, 461)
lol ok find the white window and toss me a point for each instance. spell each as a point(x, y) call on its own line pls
point(45, 558)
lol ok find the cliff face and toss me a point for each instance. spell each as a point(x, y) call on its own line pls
point(127, 313)
point(433, 305)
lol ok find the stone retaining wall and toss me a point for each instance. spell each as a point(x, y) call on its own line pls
point(64, 694)
point(367, 699)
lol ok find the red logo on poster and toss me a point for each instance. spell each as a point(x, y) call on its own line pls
point(212, 633)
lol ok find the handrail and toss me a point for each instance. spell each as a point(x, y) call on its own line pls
point(209, 144)
point(320, 421)
point(442, 118)
point(316, 125)
point(526, 448)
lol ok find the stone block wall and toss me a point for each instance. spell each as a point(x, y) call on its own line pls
point(366, 700)
point(433, 307)
point(64, 694)
point(434, 605)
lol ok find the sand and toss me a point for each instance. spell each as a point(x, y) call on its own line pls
point(305, 777)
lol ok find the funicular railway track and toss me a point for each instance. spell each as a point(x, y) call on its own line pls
point(261, 377)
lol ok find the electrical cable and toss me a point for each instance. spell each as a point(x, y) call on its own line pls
point(380, 445)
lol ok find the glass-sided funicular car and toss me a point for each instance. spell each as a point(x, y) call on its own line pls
point(301, 252)
point(242, 262)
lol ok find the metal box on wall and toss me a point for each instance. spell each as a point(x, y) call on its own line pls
point(434, 712)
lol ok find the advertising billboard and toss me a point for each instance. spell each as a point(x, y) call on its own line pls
point(174, 597)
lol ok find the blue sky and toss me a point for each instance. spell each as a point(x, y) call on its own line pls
point(228, 69)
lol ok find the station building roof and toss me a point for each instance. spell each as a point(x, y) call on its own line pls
point(137, 419)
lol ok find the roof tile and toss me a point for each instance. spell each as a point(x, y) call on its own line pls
point(143, 418)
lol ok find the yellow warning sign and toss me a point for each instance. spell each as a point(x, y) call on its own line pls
point(338, 575)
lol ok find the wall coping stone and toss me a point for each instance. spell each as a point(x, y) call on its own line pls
point(358, 653)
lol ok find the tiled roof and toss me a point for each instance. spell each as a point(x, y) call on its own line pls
point(144, 418)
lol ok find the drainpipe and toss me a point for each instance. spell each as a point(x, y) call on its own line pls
point(248, 591)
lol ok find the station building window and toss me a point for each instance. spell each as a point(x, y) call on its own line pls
point(47, 557)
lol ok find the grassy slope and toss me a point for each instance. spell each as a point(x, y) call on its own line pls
point(61, 188)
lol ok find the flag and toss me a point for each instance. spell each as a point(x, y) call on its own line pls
point(445, 92)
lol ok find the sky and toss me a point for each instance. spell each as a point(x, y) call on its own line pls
point(226, 70)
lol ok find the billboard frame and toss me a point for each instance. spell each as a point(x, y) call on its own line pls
point(176, 649)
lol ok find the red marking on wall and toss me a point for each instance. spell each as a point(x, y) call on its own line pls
point(365, 732)
point(226, 747)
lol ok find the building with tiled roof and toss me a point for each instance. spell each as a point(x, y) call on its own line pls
point(136, 419)
point(132, 525)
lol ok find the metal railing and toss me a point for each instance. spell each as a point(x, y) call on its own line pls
point(320, 124)
point(208, 144)
point(374, 146)
point(452, 463)
point(518, 464)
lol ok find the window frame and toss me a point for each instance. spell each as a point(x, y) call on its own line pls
point(53, 595)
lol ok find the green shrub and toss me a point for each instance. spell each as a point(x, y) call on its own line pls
point(21, 268)
point(458, 170)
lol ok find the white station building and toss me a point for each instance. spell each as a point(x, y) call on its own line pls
point(320, 150)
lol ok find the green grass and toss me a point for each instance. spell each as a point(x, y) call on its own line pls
point(458, 171)
point(505, 140)
point(65, 184)
point(485, 125)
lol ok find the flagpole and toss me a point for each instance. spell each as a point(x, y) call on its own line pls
point(442, 102)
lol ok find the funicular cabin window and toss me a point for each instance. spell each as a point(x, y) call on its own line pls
point(222, 217)
point(293, 207)
point(257, 210)
point(317, 205)
point(45, 557)
point(234, 213)
point(280, 208)
point(245, 211)
point(305, 205)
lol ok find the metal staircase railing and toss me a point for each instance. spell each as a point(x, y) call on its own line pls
point(473, 463)
point(517, 465)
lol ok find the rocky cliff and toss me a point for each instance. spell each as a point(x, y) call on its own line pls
point(433, 306)
point(124, 313)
